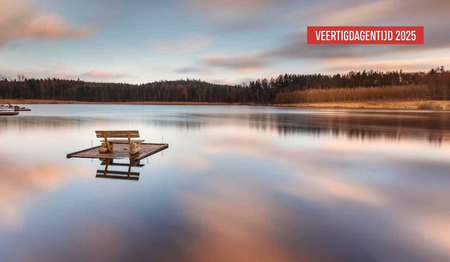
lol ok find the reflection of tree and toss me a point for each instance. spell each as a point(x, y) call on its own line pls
point(53, 122)
point(360, 125)
point(433, 127)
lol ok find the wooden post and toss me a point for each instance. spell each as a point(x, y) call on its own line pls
point(107, 143)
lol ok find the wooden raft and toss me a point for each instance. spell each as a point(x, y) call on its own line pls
point(120, 151)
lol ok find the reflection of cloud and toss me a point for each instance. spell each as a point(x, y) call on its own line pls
point(18, 184)
point(18, 20)
point(239, 146)
point(196, 163)
point(437, 230)
point(347, 190)
point(383, 182)
point(232, 227)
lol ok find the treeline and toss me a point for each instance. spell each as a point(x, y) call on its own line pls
point(174, 91)
point(260, 91)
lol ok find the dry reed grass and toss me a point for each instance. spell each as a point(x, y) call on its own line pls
point(392, 93)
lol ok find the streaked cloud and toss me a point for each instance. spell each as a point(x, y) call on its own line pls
point(430, 14)
point(220, 41)
point(240, 63)
point(356, 64)
point(231, 15)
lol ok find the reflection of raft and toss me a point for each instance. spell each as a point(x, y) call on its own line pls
point(114, 174)
point(120, 151)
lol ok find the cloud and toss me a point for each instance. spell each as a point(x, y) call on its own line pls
point(294, 46)
point(432, 15)
point(355, 12)
point(189, 69)
point(231, 6)
point(21, 20)
point(102, 74)
point(185, 44)
point(351, 12)
point(356, 64)
point(240, 63)
point(236, 15)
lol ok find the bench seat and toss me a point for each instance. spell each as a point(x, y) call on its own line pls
point(123, 141)
point(107, 143)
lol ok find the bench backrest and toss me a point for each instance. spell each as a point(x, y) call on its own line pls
point(117, 133)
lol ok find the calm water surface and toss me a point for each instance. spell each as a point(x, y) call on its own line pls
point(236, 184)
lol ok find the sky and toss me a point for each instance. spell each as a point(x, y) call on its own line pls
point(222, 41)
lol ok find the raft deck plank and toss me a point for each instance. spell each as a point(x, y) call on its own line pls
point(120, 151)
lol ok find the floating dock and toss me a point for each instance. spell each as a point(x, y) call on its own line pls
point(8, 113)
point(14, 107)
point(120, 151)
point(11, 110)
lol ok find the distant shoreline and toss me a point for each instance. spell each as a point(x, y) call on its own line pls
point(437, 105)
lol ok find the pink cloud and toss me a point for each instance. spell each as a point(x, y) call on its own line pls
point(99, 73)
point(21, 20)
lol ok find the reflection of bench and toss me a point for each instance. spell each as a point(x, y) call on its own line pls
point(106, 173)
point(107, 143)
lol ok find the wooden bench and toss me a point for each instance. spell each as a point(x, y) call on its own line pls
point(107, 143)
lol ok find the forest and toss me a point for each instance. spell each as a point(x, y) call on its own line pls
point(434, 84)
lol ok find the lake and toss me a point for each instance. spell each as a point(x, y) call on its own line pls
point(237, 183)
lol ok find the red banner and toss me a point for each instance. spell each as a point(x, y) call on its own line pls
point(365, 35)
